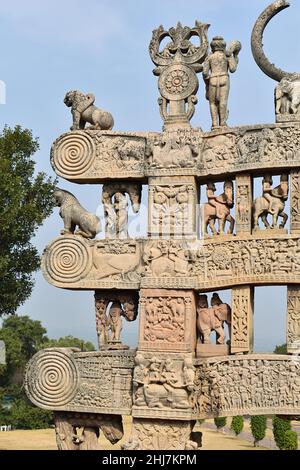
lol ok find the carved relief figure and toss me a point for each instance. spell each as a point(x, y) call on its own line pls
point(84, 111)
point(287, 96)
point(117, 259)
point(243, 204)
point(114, 198)
point(216, 78)
point(73, 215)
point(272, 202)
point(163, 383)
point(166, 259)
point(218, 208)
point(173, 150)
point(114, 322)
point(165, 319)
point(212, 319)
point(110, 308)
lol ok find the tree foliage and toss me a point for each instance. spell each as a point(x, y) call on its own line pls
point(280, 426)
point(69, 342)
point(258, 426)
point(220, 422)
point(23, 337)
point(25, 201)
point(281, 349)
point(237, 424)
point(290, 440)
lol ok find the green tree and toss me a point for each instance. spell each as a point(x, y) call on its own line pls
point(69, 342)
point(258, 426)
point(220, 422)
point(281, 349)
point(290, 440)
point(23, 415)
point(280, 426)
point(23, 337)
point(25, 201)
point(237, 424)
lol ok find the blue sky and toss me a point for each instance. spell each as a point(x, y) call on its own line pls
point(99, 46)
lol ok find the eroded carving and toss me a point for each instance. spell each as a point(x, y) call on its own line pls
point(84, 111)
point(111, 307)
point(162, 382)
point(69, 425)
point(293, 320)
point(272, 202)
point(242, 320)
point(155, 434)
point(93, 382)
point(216, 77)
point(218, 209)
point(212, 318)
point(252, 384)
point(114, 199)
point(73, 215)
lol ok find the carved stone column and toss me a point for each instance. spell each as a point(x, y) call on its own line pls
point(295, 201)
point(293, 319)
point(172, 207)
point(242, 319)
point(243, 205)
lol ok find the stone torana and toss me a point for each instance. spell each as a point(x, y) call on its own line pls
point(194, 358)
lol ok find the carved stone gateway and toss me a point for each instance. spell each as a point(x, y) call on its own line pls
point(206, 231)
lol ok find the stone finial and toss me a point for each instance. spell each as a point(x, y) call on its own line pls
point(177, 64)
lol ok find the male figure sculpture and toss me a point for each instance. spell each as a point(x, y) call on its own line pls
point(216, 77)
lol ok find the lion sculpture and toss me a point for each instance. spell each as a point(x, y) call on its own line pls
point(83, 111)
point(73, 215)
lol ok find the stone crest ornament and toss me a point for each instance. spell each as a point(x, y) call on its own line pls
point(177, 64)
point(287, 92)
point(193, 358)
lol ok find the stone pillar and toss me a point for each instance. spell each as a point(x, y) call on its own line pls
point(243, 205)
point(163, 379)
point(242, 303)
point(293, 319)
point(172, 207)
point(295, 201)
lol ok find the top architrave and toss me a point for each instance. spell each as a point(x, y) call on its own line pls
point(93, 156)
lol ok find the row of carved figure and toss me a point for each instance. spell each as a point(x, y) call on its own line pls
point(175, 211)
point(246, 384)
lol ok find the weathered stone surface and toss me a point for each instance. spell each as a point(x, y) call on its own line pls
point(167, 320)
point(94, 156)
point(69, 425)
point(242, 301)
point(172, 207)
point(293, 319)
point(247, 385)
point(73, 262)
point(159, 434)
point(97, 156)
point(163, 384)
point(93, 382)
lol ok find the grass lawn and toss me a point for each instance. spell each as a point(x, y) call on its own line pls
point(44, 439)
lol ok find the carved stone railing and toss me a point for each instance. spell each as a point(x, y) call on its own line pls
point(88, 382)
point(73, 262)
point(60, 379)
point(94, 156)
point(255, 384)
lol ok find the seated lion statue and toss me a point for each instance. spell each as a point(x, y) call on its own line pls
point(83, 111)
point(74, 214)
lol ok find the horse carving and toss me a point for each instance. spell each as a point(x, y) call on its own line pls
point(271, 202)
point(218, 208)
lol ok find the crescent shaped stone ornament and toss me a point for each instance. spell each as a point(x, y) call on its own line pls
point(257, 42)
